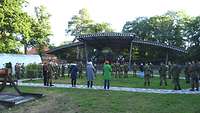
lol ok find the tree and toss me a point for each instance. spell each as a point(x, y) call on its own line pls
point(80, 23)
point(41, 29)
point(10, 20)
point(83, 24)
point(168, 28)
point(17, 28)
point(138, 26)
point(100, 27)
point(193, 36)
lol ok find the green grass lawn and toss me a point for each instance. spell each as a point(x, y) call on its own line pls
point(100, 101)
point(134, 82)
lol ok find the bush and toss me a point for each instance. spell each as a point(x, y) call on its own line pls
point(33, 71)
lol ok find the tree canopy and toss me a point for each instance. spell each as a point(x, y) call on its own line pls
point(83, 24)
point(173, 28)
point(18, 29)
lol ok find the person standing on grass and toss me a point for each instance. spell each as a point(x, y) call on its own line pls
point(147, 75)
point(175, 76)
point(163, 74)
point(45, 73)
point(50, 74)
point(194, 76)
point(90, 73)
point(74, 71)
point(107, 70)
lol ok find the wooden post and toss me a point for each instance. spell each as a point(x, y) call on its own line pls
point(130, 55)
point(86, 54)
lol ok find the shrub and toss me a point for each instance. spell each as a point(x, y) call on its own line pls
point(33, 71)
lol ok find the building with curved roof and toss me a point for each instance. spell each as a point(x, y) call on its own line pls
point(116, 41)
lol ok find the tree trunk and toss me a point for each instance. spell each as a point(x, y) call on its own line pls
point(25, 49)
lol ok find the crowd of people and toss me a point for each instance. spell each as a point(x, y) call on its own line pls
point(90, 74)
point(172, 71)
point(118, 70)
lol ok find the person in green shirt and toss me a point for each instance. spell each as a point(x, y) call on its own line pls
point(107, 70)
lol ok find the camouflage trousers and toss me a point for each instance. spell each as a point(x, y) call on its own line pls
point(163, 79)
point(176, 82)
point(195, 82)
point(147, 79)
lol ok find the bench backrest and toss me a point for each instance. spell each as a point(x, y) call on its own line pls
point(3, 72)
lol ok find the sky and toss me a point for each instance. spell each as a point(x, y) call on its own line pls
point(115, 12)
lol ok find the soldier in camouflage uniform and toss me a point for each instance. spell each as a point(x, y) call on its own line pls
point(117, 70)
point(195, 76)
point(126, 70)
point(175, 76)
point(50, 74)
point(147, 75)
point(134, 69)
point(45, 73)
point(121, 73)
point(187, 72)
point(114, 69)
point(55, 68)
point(151, 68)
point(163, 74)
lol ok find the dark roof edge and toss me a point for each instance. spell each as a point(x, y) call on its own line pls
point(160, 44)
point(65, 46)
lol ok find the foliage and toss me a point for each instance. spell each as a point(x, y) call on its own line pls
point(10, 19)
point(17, 28)
point(41, 28)
point(169, 28)
point(33, 71)
point(83, 24)
point(193, 37)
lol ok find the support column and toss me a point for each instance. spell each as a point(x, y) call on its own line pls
point(77, 52)
point(130, 55)
point(86, 53)
point(167, 57)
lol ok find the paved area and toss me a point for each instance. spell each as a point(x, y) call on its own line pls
point(144, 90)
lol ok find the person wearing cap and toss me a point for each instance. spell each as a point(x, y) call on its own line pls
point(107, 70)
point(90, 74)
